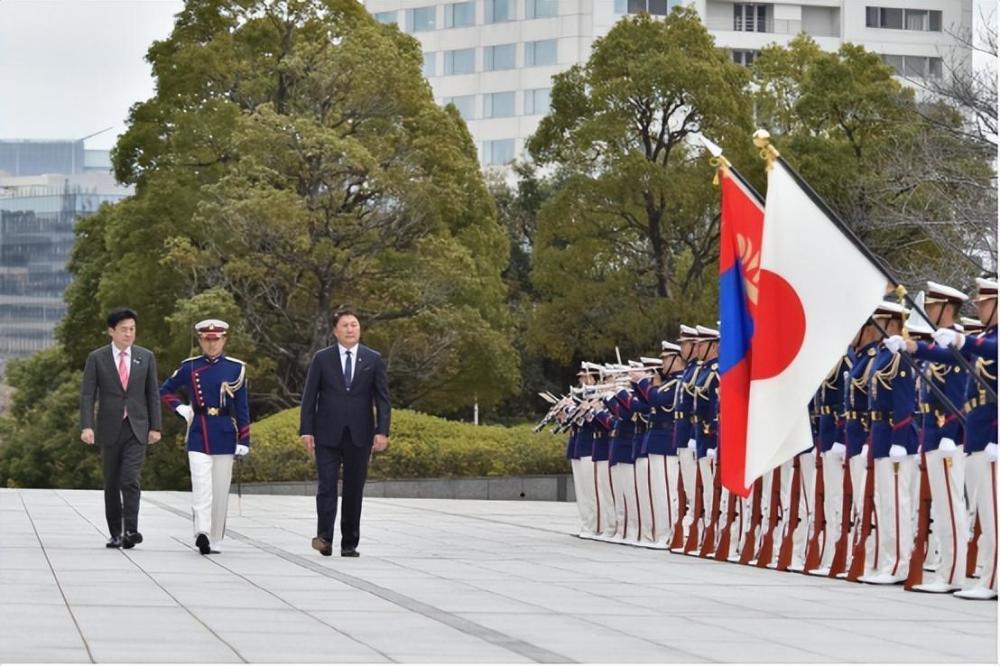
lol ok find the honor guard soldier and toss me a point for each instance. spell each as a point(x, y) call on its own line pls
point(980, 431)
point(581, 459)
point(622, 464)
point(218, 426)
point(684, 442)
point(941, 429)
point(705, 422)
point(830, 405)
point(659, 393)
point(856, 429)
point(891, 405)
point(603, 422)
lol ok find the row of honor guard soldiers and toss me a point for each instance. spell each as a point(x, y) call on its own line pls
point(898, 485)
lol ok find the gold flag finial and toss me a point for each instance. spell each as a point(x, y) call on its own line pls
point(901, 293)
point(768, 153)
point(721, 165)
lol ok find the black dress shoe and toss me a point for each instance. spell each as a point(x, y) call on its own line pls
point(114, 542)
point(349, 552)
point(203, 546)
point(131, 539)
point(324, 547)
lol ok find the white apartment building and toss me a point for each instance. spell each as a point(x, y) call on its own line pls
point(494, 59)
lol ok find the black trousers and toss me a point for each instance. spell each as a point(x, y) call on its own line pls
point(122, 463)
point(328, 462)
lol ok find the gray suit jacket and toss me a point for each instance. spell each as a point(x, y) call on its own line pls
point(101, 384)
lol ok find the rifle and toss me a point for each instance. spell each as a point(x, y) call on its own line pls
point(972, 553)
point(839, 563)
point(766, 552)
point(814, 553)
point(756, 519)
point(691, 544)
point(919, 552)
point(787, 541)
point(864, 528)
point(725, 539)
point(677, 540)
point(708, 539)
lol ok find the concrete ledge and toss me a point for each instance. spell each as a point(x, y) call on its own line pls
point(545, 488)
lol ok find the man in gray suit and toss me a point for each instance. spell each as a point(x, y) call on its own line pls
point(121, 378)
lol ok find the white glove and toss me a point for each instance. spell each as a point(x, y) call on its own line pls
point(991, 451)
point(692, 444)
point(895, 344)
point(712, 453)
point(864, 452)
point(186, 412)
point(947, 337)
point(947, 447)
point(242, 450)
point(897, 453)
point(838, 451)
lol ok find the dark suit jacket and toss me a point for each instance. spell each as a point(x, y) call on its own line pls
point(328, 408)
point(101, 384)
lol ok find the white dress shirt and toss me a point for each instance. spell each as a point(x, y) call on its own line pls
point(343, 358)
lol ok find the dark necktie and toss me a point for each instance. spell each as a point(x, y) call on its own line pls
point(347, 370)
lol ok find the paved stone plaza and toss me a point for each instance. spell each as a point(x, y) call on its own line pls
point(438, 581)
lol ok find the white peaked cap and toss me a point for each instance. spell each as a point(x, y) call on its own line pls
point(888, 309)
point(688, 333)
point(667, 347)
point(937, 292)
point(987, 288)
point(707, 333)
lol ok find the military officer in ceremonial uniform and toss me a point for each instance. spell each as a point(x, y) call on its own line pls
point(580, 453)
point(218, 426)
point(622, 407)
point(891, 405)
point(856, 425)
point(830, 430)
point(658, 393)
point(684, 442)
point(605, 519)
point(980, 431)
point(941, 433)
point(705, 423)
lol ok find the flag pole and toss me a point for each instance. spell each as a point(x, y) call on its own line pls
point(762, 139)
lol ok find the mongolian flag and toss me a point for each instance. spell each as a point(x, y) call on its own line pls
point(740, 235)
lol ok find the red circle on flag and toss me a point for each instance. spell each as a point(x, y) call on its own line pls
point(780, 326)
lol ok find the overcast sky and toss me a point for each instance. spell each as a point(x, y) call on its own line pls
point(69, 68)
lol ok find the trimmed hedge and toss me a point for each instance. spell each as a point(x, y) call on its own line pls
point(420, 446)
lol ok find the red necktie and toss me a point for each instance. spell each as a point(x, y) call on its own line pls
point(123, 375)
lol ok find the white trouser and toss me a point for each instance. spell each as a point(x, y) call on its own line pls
point(807, 497)
point(833, 502)
point(746, 521)
point(894, 515)
point(664, 502)
point(688, 468)
point(859, 474)
point(767, 526)
point(210, 480)
point(707, 467)
point(982, 475)
point(644, 498)
point(605, 519)
point(626, 512)
point(951, 525)
point(586, 499)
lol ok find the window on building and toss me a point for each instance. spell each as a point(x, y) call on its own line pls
point(544, 52)
point(501, 56)
point(744, 57)
point(430, 65)
point(420, 19)
point(386, 17)
point(914, 67)
point(459, 14)
point(894, 18)
point(498, 11)
point(750, 17)
point(498, 152)
point(537, 101)
point(621, 6)
point(498, 105)
point(541, 8)
point(460, 61)
point(466, 105)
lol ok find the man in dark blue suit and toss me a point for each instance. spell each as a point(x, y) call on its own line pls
point(345, 415)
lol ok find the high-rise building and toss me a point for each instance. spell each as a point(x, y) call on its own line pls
point(494, 59)
point(59, 183)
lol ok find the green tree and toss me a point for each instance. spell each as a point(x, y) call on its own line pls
point(626, 248)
